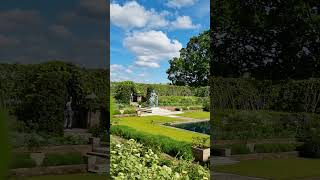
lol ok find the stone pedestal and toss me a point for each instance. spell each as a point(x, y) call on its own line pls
point(201, 155)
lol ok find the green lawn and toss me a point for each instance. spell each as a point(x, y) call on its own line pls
point(152, 125)
point(196, 115)
point(277, 169)
point(66, 177)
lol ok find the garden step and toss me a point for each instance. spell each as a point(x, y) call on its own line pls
point(105, 155)
point(103, 150)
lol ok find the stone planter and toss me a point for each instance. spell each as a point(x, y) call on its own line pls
point(94, 141)
point(200, 154)
point(37, 157)
point(121, 111)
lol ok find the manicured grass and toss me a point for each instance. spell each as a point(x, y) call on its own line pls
point(277, 169)
point(152, 125)
point(196, 115)
point(67, 177)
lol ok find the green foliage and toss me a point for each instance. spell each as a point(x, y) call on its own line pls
point(131, 160)
point(200, 142)
point(272, 148)
point(244, 125)
point(256, 39)
point(35, 141)
point(37, 93)
point(250, 94)
point(181, 100)
point(123, 91)
point(239, 149)
point(22, 160)
point(58, 159)
point(164, 143)
point(165, 89)
point(192, 67)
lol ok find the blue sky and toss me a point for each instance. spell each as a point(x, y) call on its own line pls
point(146, 34)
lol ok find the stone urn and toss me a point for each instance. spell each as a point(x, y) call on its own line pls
point(201, 154)
point(38, 157)
point(121, 111)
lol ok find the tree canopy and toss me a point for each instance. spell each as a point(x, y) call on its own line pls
point(192, 67)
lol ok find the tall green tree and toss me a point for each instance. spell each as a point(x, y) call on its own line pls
point(266, 39)
point(192, 67)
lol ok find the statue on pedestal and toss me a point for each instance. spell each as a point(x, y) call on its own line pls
point(153, 101)
point(68, 114)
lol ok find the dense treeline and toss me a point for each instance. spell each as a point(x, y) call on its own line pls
point(37, 93)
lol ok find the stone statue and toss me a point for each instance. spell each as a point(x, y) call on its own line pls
point(153, 101)
point(68, 114)
point(131, 97)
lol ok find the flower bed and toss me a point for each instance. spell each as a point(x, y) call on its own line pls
point(130, 160)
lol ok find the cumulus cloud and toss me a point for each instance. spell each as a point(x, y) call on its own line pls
point(180, 3)
point(133, 15)
point(151, 47)
point(183, 22)
point(119, 72)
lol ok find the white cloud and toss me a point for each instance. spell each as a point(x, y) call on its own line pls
point(180, 3)
point(122, 73)
point(133, 15)
point(151, 47)
point(183, 22)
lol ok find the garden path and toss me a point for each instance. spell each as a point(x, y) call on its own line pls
point(161, 112)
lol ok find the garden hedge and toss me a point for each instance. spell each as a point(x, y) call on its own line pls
point(251, 94)
point(166, 89)
point(163, 143)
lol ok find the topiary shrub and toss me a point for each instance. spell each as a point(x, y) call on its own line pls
point(123, 91)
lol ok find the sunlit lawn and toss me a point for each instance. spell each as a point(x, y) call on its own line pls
point(152, 125)
point(196, 115)
point(277, 169)
point(66, 177)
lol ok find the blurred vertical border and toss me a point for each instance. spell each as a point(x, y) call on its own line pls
point(4, 144)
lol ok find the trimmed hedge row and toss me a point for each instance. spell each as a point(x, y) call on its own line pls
point(251, 94)
point(168, 90)
point(258, 148)
point(181, 100)
point(55, 159)
point(244, 125)
point(163, 143)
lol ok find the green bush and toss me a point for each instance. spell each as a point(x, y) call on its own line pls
point(130, 111)
point(116, 112)
point(271, 148)
point(123, 91)
point(22, 160)
point(239, 149)
point(165, 144)
point(58, 159)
